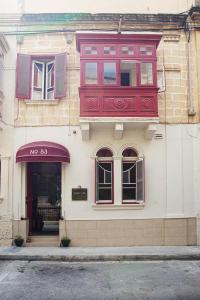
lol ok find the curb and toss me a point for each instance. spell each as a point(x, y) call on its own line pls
point(101, 258)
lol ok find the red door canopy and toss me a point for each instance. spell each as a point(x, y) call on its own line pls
point(42, 151)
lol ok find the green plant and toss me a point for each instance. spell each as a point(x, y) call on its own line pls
point(18, 240)
point(65, 241)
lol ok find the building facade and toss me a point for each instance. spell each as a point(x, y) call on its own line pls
point(102, 138)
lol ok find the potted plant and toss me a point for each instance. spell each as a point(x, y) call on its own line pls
point(18, 240)
point(65, 241)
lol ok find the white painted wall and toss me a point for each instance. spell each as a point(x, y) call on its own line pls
point(121, 6)
point(6, 136)
point(169, 168)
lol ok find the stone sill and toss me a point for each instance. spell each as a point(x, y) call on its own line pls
point(118, 206)
point(119, 120)
point(42, 102)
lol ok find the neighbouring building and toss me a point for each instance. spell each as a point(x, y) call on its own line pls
point(101, 141)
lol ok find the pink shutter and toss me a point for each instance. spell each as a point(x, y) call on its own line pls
point(60, 75)
point(23, 79)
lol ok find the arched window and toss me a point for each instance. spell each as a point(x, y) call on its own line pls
point(132, 177)
point(104, 176)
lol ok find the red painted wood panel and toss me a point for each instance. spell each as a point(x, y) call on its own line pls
point(118, 102)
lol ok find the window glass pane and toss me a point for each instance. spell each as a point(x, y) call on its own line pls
point(133, 174)
point(107, 166)
point(129, 152)
point(129, 181)
point(129, 172)
point(104, 152)
point(50, 81)
point(104, 181)
point(90, 50)
point(38, 75)
point(146, 51)
point(38, 81)
point(108, 177)
point(127, 50)
point(110, 73)
point(100, 174)
point(128, 73)
point(125, 177)
point(146, 73)
point(91, 73)
point(109, 50)
point(105, 194)
point(129, 193)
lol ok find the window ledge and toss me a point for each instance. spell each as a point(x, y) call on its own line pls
point(118, 206)
point(42, 102)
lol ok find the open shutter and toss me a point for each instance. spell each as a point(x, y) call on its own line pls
point(96, 181)
point(23, 82)
point(140, 180)
point(60, 75)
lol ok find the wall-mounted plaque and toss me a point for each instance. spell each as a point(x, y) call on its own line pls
point(79, 194)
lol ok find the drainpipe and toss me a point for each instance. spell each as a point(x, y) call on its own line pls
point(188, 33)
point(119, 25)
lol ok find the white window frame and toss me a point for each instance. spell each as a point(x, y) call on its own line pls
point(135, 160)
point(104, 160)
point(44, 79)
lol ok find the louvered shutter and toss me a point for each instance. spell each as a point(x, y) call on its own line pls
point(60, 75)
point(23, 76)
point(140, 180)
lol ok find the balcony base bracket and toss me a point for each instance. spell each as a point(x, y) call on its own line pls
point(118, 131)
point(150, 131)
point(85, 131)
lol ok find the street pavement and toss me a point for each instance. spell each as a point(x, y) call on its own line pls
point(142, 280)
point(78, 254)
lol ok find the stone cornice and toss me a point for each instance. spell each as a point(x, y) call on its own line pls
point(10, 19)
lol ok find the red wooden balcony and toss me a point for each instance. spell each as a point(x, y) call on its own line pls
point(118, 102)
point(118, 75)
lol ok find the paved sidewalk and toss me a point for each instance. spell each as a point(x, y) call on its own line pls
point(79, 254)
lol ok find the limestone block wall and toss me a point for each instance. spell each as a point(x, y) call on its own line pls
point(62, 112)
point(172, 99)
point(154, 232)
point(5, 233)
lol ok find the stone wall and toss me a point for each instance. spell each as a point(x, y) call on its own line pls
point(172, 101)
point(149, 232)
point(5, 233)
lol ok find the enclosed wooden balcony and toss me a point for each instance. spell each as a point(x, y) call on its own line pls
point(118, 81)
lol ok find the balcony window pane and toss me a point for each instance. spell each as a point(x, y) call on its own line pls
point(128, 73)
point(110, 73)
point(146, 74)
point(90, 50)
point(109, 50)
point(91, 73)
point(127, 50)
point(146, 51)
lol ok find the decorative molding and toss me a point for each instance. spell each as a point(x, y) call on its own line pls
point(118, 206)
point(171, 37)
point(118, 131)
point(136, 120)
point(42, 102)
point(150, 131)
point(85, 131)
